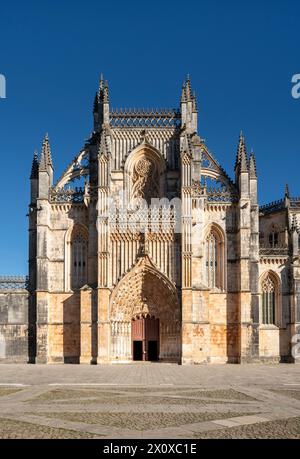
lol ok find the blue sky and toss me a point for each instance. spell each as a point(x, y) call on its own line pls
point(241, 57)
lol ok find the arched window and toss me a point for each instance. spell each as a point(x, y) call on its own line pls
point(273, 239)
point(214, 259)
point(269, 288)
point(273, 236)
point(78, 266)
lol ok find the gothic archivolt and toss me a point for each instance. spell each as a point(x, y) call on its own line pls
point(144, 291)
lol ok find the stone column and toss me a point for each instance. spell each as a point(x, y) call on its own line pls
point(42, 288)
point(86, 325)
point(295, 297)
point(245, 299)
point(186, 250)
point(103, 325)
point(254, 259)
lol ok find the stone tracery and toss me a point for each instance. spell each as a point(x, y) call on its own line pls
point(145, 292)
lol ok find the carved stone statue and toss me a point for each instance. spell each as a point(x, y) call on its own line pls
point(145, 179)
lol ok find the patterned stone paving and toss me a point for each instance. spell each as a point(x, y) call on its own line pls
point(150, 401)
point(284, 428)
point(10, 429)
point(128, 397)
point(140, 421)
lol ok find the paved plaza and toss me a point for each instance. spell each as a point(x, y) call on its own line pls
point(150, 401)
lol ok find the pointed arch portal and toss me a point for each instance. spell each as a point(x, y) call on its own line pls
point(145, 316)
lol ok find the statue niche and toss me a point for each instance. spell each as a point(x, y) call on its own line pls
point(145, 179)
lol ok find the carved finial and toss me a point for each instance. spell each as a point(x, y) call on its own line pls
point(143, 137)
point(241, 156)
point(35, 166)
point(101, 81)
point(252, 165)
point(106, 93)
point(48, 151)
point(188, 88)
point(46, 158)
point(287, 191)
point(101, 88)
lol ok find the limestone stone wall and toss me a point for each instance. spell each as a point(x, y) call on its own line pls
point(218, 317)
point(62, 220)
point(273, 222)
point(14, 326)
point(269, 337)
point(64, 328)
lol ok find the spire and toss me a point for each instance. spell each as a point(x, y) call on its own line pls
point(241, 156)
point(183, 94)
point(46, 159)
point(35, 166)
point(188, 88)
point(252, 166)
point(244, 162)
point(238, 153)
point(43, 161)
point(186, 93)
point(102, 115)
point(106, 93)
point(189, 111)
point(46, 145)
point(101, 87)
point(103, 92)
point(287, 191)
point(96, 103)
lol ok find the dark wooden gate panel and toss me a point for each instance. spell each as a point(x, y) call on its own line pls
point(152, 329)
point(145, 330)
point(137, 329)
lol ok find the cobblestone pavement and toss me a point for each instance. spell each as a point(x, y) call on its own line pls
point(150, 401)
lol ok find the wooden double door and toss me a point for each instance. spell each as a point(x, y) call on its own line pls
point(145, 339)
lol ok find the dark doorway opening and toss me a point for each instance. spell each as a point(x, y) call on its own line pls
point(137, 350)
point(153, 351)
